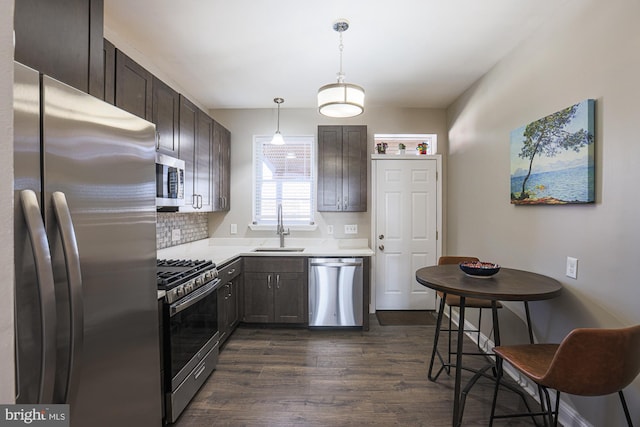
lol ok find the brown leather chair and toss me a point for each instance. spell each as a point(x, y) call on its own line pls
point(588, 362)
point(454, 301)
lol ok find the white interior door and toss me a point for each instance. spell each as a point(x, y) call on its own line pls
point(406, 209)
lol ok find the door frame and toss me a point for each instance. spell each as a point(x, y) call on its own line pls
point(374, 199)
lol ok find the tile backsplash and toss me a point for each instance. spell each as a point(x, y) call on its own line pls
point(190, 226)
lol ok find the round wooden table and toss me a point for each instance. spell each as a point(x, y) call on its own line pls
point(507, 285)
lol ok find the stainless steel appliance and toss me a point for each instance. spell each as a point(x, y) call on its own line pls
point(335, 292)
point(191, 338)
point(85, 255)
point(169, 183)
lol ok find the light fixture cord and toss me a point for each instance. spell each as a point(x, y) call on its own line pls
point(278, 129)
point(340, 47)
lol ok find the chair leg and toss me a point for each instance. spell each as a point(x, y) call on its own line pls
point(495, 391)
point(449, 348)
point(549, 414)
point(625, 408)
point(479, 327)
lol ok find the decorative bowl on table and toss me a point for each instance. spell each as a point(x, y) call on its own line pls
point(479, 269)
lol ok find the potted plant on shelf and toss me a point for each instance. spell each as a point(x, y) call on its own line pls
point(381, 147)
point(401, 148)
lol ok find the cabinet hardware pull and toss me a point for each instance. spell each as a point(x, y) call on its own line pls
point(278, 281)
point(230, 272)
point(381, 247)
point(346, 203)
point(381, 237)
point(269, 281)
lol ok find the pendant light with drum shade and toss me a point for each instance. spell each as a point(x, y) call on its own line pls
point(277, 137)
point(341, 99)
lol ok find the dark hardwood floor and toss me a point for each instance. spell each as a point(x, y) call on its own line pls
point(298, 377)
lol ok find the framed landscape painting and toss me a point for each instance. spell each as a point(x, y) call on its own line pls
point(552, 159)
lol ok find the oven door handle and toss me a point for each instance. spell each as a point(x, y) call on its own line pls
point(193, 297)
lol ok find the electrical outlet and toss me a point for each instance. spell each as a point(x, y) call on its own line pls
point(351, 229)
point(572, 267)
point(329, 229)
point(234, 228)
point(176, 235)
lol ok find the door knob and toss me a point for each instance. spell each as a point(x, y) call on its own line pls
point(381, 236)
point(381, 247)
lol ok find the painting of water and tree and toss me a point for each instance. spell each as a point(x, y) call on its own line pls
point(552, 159)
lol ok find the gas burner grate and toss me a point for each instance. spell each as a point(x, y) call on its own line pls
point(172, 272)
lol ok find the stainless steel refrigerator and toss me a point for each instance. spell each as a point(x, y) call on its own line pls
point(85, 256)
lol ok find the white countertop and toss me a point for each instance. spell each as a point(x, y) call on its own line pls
point(223, 250)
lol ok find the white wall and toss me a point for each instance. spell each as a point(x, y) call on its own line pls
point(7, 391)
point(590, 50)
point(243, 124)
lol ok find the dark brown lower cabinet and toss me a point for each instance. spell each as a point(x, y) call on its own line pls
point(229, 299)
point(275, 290)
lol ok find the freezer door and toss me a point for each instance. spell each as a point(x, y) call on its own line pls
point(102, 159)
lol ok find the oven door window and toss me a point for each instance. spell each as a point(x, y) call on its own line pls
point(191, 328)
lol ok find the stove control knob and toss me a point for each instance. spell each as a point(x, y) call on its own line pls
point(198, 281)
point(179, 291)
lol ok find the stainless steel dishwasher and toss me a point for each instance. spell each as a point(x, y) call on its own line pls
point(335, 292)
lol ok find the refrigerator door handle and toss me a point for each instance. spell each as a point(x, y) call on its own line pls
point(46, 289)
point(74, 277)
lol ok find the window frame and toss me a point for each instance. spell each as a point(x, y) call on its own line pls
point(259, 140)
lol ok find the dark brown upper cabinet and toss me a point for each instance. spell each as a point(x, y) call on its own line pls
point(133, 87)
point(109, 62)
point(62, 39)
point(165, 115)
point(342, 168)
point(222, 168)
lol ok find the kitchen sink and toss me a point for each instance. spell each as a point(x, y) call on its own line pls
point(264, 249)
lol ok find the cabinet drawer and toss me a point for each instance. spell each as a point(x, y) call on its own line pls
point(231, 270)
point(275, 264)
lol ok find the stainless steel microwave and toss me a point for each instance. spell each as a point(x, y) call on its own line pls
point(169, 182)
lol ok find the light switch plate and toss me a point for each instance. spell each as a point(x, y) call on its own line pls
point(572, 267)
point(329, 229)
point(234, 229)
point(176, 235)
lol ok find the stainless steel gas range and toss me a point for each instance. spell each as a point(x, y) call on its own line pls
point(190, 329)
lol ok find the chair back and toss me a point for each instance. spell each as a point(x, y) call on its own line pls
point(443, 260)
point(595, 362)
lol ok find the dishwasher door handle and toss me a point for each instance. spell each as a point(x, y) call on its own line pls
point(336, 264)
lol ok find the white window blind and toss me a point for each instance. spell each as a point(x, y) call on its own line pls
point(284, 174)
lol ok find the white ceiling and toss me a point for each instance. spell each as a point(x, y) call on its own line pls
point(244, 53)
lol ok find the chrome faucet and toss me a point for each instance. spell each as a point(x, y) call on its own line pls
point(280, 227)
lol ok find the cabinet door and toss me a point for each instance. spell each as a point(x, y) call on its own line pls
point(188, 123)
point(290, 299)
point(133, 87)
point(222, 174)
point(233, 305)
point(329, 168)
point(354, 168)
point(223, 322)
point(342, 168)
point(109, 56)
point(258, 297)
point(165, 115)
point(62, 39)
point(204, 161)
